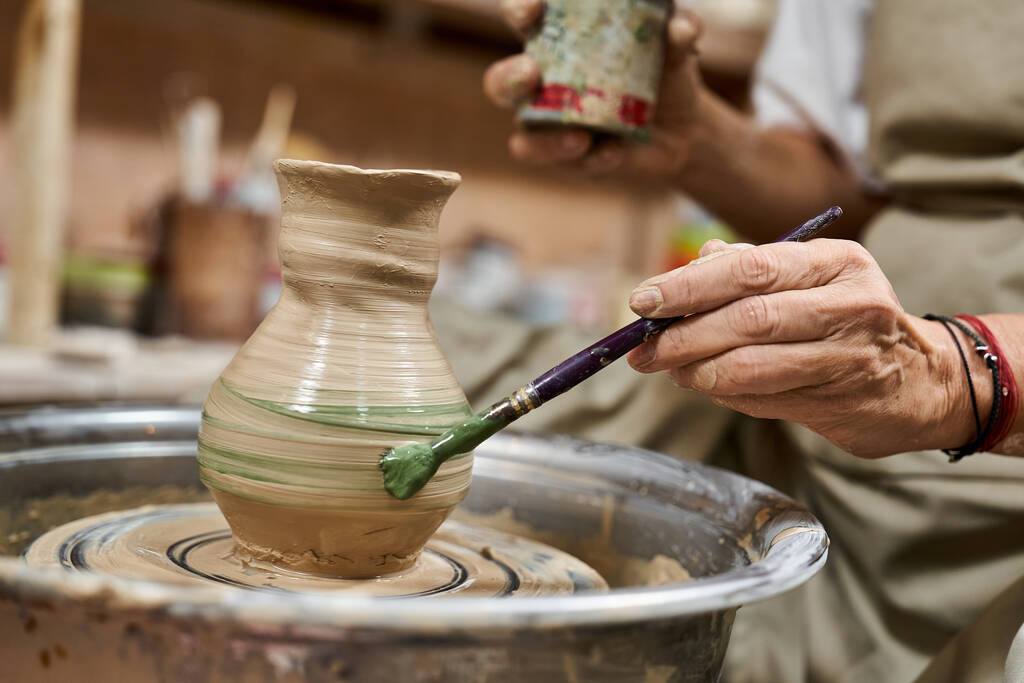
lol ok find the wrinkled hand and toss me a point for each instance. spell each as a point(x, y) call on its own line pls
point(812, 333)
point(510, 82)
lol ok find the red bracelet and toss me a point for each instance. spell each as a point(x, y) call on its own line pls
point(1007, 385)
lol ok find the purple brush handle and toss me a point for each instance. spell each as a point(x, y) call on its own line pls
point(571, 372)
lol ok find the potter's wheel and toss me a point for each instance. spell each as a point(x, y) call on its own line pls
point(191, 544)
point(609, 505)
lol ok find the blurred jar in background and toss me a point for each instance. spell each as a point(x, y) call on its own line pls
point(103, 289)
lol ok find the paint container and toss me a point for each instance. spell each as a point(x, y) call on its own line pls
point(600, 65)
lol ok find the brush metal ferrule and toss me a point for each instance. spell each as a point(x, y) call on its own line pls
point(515, 405)
point(524, 400)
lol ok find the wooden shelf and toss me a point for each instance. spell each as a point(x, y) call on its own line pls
point(726, 49)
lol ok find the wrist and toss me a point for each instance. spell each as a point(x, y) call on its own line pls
point(717, 141)
point(960, 383)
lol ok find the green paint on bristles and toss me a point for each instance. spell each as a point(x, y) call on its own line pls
point(407, 469)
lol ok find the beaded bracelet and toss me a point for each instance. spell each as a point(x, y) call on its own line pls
point(982, 348)
point(1006, 388)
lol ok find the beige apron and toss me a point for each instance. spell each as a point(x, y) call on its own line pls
point(922, 550)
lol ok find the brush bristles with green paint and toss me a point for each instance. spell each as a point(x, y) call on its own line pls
point(407, 469)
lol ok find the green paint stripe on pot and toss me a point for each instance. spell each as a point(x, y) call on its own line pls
point(307, 439)
point(421, 400)
point(329, 486)
point(441, 410)
point(208, 477)
point(275, 470)
point(300, 439)
point(357, 417)
point(234, 464)
point(218, 465)
point(273, 462)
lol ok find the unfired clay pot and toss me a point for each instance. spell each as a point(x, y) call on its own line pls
point(345, 366)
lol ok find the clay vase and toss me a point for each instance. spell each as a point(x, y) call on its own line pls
point(345, 366)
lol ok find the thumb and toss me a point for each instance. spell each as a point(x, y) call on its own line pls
point(680, 78)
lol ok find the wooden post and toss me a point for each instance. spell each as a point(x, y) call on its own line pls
point(45, 73)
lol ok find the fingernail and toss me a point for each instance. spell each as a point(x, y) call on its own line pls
point(517, 10)
point(646, 301)
point(681, 30)
point(522, 71)
point(712, 246)
point(707, 257)
point(515, 77)
point(676, 383)
point(643, 355)
point(705, 377)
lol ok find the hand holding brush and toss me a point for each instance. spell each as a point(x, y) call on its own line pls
point(408, 468)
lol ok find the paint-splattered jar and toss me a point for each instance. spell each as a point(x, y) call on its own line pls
point(600, 63)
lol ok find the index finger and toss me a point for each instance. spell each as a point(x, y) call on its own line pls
point(738, 274)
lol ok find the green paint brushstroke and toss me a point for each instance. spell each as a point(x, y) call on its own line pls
point(361, 417)
point(386, 420)
point(407, 469)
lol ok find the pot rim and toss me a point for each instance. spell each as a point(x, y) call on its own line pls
point(306, 165)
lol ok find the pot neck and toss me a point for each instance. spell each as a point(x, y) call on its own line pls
point(349, 234)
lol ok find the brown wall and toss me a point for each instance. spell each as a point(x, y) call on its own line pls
point(373, 95)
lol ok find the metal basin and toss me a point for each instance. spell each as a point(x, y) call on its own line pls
point(630, 513)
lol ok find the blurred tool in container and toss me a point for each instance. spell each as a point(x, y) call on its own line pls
point(255, 188)
point(198, 140)
point(215, 259)
point(212, 275)
point(3, 292)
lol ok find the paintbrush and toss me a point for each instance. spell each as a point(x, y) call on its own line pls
point(408, 468)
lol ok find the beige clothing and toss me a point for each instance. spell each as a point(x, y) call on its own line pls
point(922, 550)
point(982, 652)
point(926, 556)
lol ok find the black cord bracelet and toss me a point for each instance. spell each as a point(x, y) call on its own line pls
point(967, 371)
point(981, 348)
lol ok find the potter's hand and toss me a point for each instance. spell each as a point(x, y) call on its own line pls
point(511, 81)
point(812, 333)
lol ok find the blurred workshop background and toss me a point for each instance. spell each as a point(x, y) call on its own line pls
point(138, 207)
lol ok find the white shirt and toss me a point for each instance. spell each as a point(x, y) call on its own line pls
point(810, 73)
